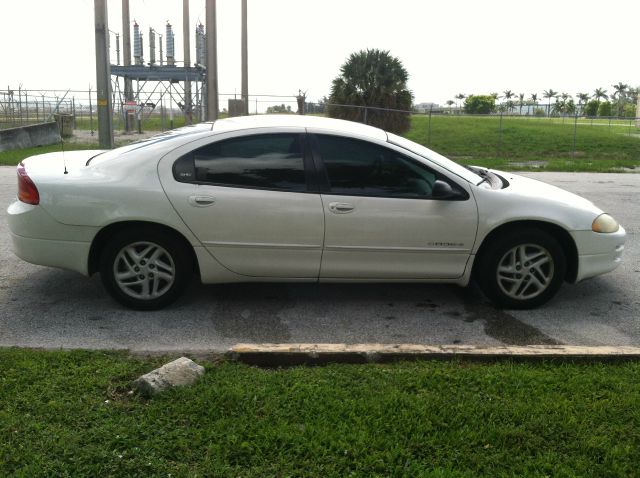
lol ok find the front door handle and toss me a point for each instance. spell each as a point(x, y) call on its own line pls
point(201, 201)
point(341, 207)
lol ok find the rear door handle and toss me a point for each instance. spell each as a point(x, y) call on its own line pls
point(341, 207)
point(201, 201)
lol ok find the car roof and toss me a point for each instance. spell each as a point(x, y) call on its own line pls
point(302, 121)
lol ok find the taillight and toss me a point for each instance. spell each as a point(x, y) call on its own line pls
point(27, 191)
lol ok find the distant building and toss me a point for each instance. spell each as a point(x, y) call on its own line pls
point(425, 107)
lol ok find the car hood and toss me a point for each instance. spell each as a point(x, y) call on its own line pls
point(529, 199)
point(533, 188)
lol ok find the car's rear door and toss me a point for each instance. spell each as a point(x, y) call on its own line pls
point(381, 219)
point(245, 196)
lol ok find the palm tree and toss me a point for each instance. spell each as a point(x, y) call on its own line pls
point(449, 103)
point(460, 96)
point(533, 101)
point(582, 98)
point(599, 94)
point(620, 90)
point(521, 102)
point(377, 79)
point(621, 94)
point(508, 94)
point(549, 94)
point(564, 106)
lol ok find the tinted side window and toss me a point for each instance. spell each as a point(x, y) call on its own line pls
point(365, 169)
point(269, 161)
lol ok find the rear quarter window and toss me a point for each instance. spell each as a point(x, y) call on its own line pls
point(269, 161)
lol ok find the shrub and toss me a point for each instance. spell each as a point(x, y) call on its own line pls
point(591, 108)
point(604, 109)
point(629, 111)
point(479, 104)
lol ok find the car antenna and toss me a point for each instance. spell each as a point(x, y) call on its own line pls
point(64, 160)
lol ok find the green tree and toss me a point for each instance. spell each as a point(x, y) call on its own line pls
point(620, 95)
point(533, 101)
point(605, 109)
point(276, 109)
point(599, 94)
point(372, 78)
point(450, 103)
point(480, 104)
point(582, 100)
point(591, 108)
point(564, 106)
point(520, 102)
point(632, 95)
point(508, 94)
point(629, 111)
point(549, 94)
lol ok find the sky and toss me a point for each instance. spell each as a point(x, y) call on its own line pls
point(448, 47)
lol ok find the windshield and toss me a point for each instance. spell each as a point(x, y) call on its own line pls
point(158, 138)
point(435, 157)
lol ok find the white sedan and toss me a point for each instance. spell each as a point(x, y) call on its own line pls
point(306, 199)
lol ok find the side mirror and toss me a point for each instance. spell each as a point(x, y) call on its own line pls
point(443, 190)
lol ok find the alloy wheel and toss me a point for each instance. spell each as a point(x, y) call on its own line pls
point(144, 270)
point(525, 271)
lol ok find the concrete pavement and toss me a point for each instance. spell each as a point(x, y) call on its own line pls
point(43, 307)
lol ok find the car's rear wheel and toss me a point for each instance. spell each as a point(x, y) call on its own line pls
point(521, 270)
point(146, 268)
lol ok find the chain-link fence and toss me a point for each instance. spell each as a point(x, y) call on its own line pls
point(526, 135)
point(516, 140)
point(24, 107)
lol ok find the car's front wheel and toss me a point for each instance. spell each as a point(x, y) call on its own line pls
point(145, 269)
point(522, 270)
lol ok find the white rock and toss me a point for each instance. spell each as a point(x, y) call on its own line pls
point(180, 372)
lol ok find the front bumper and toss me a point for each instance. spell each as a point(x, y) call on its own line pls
point(598, 253)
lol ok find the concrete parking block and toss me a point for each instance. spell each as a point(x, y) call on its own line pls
point(304, 354)
point(179, 373)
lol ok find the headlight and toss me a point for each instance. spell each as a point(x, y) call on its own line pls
point(605, 223)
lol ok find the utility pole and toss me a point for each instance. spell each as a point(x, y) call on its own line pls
point(126, 55)
point(187, 61)
point(212, 61)
point(103, 75)
point(245, 63)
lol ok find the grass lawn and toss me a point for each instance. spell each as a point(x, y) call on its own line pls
point(151, 123)
point(477, 140)
point(530, 144)
point(12, 158)
point(69, 414)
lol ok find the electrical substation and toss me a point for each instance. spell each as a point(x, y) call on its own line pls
point(160, 81)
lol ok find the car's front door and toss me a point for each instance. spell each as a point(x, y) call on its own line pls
point(382, 221)
point(246, 199)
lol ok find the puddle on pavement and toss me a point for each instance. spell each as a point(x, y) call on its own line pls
point(499, 324)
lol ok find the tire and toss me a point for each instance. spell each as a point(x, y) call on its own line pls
point(145, 268)
point(522, 270)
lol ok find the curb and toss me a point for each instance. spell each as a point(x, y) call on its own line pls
point(268, 355)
